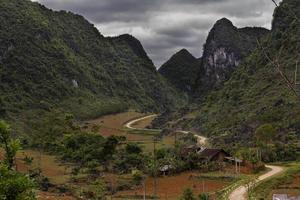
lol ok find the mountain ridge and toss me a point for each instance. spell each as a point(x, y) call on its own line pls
point(256, 93)
point(181, 70)
point(225, 47)
point(57, 59)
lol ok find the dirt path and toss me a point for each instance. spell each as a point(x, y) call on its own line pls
point(201, 139)
point(241, 192)
point(132, 122)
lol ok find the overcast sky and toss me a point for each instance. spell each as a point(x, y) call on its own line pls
point(166, 26)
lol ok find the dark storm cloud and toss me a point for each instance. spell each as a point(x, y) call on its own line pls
point(166, 26)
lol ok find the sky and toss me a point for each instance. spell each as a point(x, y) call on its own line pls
point(167, 26)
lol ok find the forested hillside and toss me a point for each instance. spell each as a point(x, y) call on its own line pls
point(182, 70)
point(262, 91)
point(54, 59)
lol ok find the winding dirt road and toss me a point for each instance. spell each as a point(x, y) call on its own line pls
point(241, 192)
point(201, 139)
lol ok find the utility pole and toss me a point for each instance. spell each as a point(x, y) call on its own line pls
point(144, 184)
point(296, 72)
point(155, 169)
point(111, 190)
point(175, 142)
point(236, 165)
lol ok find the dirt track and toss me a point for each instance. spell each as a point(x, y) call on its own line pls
point(201, 139)
point(241, 192)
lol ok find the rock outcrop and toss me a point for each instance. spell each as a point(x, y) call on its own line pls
point(225, 48)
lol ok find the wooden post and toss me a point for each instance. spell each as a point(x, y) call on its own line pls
point(235, 162)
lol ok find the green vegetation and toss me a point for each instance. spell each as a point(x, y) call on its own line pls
point(257, 100)
point(264, 189)
point(72, 67)
point(182, 70)
point(13, 185)
point(189, 195)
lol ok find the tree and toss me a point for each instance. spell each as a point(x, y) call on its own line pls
point(28, 161)
point(137, 177)
point(265, 133)
point(250, 185)
point(100, 188)
point(129, 158)
point(13, 185)
point(10, 146)
point(188, 195)
point(203, 197)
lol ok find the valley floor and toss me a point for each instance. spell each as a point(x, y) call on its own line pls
point(168, 187)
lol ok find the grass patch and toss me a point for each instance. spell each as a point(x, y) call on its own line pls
point(264, 189)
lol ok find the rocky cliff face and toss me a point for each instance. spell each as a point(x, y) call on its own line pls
point(256, 93)
point(225, 47)
point(181, 70)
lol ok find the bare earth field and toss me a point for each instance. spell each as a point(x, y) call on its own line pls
point(171, 187)
point(168, 187)
point(51, 168)
point(114, 125)
point(53, 196)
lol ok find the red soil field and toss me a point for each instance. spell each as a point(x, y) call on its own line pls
point(53, 196)
point(173, 186)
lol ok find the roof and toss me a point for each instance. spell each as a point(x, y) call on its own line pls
point(210, 153)
point(280, 197)
point(234, 159)
point(166, 168)
point(191, 149)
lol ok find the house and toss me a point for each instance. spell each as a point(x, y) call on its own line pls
point(284, 197)
point(191, 149)
point(218, 155)
point(210, 155)
point(234, 160)
point(166, 169)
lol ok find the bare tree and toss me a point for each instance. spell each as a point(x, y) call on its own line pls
point(276, 60)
